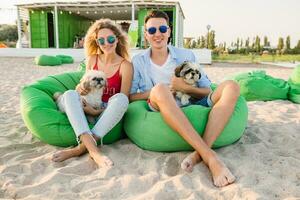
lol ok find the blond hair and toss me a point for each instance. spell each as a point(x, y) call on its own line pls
point(90, 45)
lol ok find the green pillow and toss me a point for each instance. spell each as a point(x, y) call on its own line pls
point(149, 131)
point(258, 86)
point(42, 117)
point(65, 59)
point(45, 60)
point(294, 81)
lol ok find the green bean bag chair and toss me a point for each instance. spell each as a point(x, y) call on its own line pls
point(148, 130)
point(65, 59)
point(294, 81)
point(258, 86)
point(42, 117)
point(45, 60)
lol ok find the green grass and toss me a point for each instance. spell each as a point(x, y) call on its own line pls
point(255, 58)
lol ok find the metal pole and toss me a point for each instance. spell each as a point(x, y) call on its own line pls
point(56, 26)
point(177, 25)
point(19, 29)
point(132, 13)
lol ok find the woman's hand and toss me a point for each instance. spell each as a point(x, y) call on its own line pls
point(81, 90)
point(88, 109)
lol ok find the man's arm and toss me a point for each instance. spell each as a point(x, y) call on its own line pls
point(139, 96)
point(178, 84)
point(135, 93)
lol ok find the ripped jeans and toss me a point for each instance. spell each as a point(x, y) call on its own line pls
point(113, 113)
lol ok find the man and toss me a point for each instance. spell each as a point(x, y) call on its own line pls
point(154, 80)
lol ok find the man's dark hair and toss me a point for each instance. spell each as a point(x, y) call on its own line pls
point(157, 14)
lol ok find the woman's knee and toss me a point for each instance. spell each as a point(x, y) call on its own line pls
point(71, 94)
point(120, 99)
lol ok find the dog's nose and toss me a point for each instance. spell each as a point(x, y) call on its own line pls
point(99, 80)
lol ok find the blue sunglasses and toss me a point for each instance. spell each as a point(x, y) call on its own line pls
point(162, 29)
point(110, 40)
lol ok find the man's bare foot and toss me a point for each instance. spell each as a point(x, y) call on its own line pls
point(220, 173)
point(190, 161)
point(63, 155)
point(102, 161)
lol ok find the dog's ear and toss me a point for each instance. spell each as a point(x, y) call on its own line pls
point(177, 70)
point(85, 84)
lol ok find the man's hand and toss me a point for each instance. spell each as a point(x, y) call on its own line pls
point(81, 90)
point(178, 84)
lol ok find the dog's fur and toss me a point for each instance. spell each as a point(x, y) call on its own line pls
point(93, 81)
point(190, 72)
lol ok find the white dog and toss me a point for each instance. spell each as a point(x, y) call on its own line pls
point(190, 72)
point(92, 81)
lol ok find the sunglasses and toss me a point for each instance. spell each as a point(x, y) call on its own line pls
point(110, 40)
point(162, 29)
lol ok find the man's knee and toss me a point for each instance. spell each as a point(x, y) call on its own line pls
point(160, 92)
point(233, 87)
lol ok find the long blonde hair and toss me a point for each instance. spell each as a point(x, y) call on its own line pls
point(90, 45)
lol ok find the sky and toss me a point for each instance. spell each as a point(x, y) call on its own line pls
point(230, 19)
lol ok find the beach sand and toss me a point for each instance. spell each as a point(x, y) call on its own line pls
point(266, 160)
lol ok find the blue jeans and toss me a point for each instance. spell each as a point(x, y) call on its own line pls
point(113, 113)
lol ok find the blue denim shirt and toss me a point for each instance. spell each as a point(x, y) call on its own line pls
point(142, 80)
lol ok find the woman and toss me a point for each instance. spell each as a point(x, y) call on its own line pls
point(106, 49)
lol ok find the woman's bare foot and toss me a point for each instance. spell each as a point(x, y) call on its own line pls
point(68, 153)
point(190, 161)
point(63, 155)
point(101, 161)
point(220, 173)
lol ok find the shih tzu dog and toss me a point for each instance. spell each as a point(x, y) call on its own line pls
point(190, 72)
point(93, 81)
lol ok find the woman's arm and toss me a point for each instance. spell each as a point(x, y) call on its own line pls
point(126, 74)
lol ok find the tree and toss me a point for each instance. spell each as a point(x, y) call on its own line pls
point(247, 43)
point(288, 43)
point(280, 44)
point(257, 44)
point(211, 40)
point(298, 45)
point(202, 42)
point(194, 44)
point(266, 42)
point(238, 44)
point(8, 32)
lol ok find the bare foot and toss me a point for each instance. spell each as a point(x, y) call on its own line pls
point(102, 161)
point(63, 155)
point(190, 161)
point(220, 173)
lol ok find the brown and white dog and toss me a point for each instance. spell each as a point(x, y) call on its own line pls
point(93, 81)
point(190, 72)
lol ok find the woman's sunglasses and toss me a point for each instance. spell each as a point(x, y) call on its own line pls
point(162, 29)
point(110, 40)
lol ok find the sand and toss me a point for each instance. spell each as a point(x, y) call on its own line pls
point(266, 160)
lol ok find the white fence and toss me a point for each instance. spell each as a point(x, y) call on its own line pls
point(203, 55)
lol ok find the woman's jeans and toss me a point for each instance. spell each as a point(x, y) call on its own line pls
point(113, 113)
